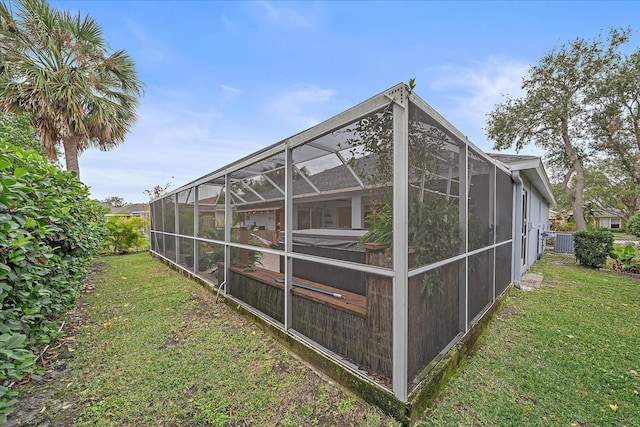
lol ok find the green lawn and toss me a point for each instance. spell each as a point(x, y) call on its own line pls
point(566, 355)
point(156, 350)
point(625, 236)
point(149, 347)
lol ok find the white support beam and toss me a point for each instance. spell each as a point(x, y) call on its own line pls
point(492, 213)
point(233, 193)
point(228, 223)
point(516, 270)
point(270, 181)
point(288, 245)
point(345, 162)
point(400, 253)
point(176, 210)
point(196, 229)
point(463, 216)
point(300, 174)
point(248, 187)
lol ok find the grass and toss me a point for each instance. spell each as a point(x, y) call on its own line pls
point(152, 348)
point(625, 236)
point(155, 349)
point(567, 355)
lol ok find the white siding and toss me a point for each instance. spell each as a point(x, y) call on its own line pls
point(538, 213)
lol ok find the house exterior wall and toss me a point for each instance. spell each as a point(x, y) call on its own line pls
point(260, 219)
point(538, 225)
point(614, 223)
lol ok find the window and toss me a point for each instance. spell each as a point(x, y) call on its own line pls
point(611, 223)
point(309, 218)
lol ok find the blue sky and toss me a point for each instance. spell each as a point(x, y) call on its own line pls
point(224, 79)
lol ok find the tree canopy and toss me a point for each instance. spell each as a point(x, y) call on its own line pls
point(56, 66)
point(563, 96)
point(115, 201)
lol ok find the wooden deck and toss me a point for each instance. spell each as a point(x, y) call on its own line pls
point(350, 302)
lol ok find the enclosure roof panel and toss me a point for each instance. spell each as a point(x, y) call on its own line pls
point(354, 113)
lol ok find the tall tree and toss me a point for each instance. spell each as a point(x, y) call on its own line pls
point(616, 123)
point(605, 189)
point(554, 113)
point(56, 66)
point(610, 186)
point(115, 201)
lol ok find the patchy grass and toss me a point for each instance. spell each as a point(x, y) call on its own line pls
point(567, 354)
point(625, 236)
point(151, 347)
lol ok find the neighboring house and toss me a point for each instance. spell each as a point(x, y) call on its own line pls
point(558, 218)
point(132, 210)
point(109, 210)
point(135, 210)
point(610, 218)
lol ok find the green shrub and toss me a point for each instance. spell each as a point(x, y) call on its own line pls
point(626, 259)
point(633, 225)
point(124, 235)
point(564, 226)
point(592, 247)
point(50, 232)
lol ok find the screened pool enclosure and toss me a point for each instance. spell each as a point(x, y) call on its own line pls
point(378, 236)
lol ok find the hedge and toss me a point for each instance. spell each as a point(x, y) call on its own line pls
point(592, 247)
point(633, 225)
point(50, 232)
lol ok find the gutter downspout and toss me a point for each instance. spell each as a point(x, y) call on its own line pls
point(517, 232)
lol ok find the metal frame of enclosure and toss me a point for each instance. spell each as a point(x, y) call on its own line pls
point(379, 236)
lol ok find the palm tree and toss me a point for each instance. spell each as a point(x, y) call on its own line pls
point(55, 66)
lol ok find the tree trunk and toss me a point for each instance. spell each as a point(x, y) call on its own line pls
point(578, 201)
point(71, 157)
point(578, 198)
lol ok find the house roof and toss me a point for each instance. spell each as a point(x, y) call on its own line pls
point(125, 210)
point(112, 209)
point(532, 168)
point(513, 158)
point(135, 207)
point(609, 213)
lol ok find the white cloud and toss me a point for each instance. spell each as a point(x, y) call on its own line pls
point(280, 15)
point(299, 106)
point(479, 89)
point(173, 137)
point(229, 91)
point(469, 94)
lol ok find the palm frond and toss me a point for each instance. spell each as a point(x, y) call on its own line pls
point(56, 66)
